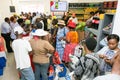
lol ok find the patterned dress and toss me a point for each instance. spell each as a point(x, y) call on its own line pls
point(61, 33)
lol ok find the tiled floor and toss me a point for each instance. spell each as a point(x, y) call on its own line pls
point(10, 72)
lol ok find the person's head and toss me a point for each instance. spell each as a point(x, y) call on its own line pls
point(92, 13)
point(54, 22)
point(7, 20)
point(67, 14)
point(50, 17)
point(71, 25)
point(37, 20)
point(39, 33)
point(13, 19)
point(113, 41)
point(20, 21)
point(90, 44)
point(18, 30)
point(61, 23)
point(34, 14)
point(73, 15)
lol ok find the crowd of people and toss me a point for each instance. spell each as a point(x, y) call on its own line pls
point(36, 38)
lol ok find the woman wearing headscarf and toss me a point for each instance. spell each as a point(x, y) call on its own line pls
point(41, 48)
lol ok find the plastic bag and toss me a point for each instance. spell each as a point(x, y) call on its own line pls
point(63, 43)
point(56, 58)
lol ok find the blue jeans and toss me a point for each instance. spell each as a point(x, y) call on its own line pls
point(41, 69)
point(27, 74)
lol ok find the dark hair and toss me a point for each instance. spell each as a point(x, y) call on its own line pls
point(6, 19)
point(20, 21)
point(12, 18)
point(92, 13)
point(54, 21)
point(113, 36)
point(90, 43)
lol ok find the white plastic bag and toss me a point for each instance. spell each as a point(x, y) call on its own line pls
point(63, 43)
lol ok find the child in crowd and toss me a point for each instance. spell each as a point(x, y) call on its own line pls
point(88, 66)
point(108, 52)
point(115, 73)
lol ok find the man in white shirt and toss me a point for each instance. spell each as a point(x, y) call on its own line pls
point(21, 50)
point(115, 74)
point(73, 18)
point(5, 32)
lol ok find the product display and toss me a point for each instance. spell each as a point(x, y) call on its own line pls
point(83, 13)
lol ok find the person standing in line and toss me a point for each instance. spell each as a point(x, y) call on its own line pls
point(61, 35)
point(3, 51)
point(53, 32)
point(73, 18)
point(71, 42)
point(66, 17)
point(49, 22)
point(5, 32)
point(13, 24)
point(22, 49)
point(41, 50)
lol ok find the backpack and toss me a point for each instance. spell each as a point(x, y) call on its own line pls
point(86, 66)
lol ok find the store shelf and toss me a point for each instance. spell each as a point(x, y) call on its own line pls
point(106, 32)
point(83, 11)
point(94, 31)
point(108, 18)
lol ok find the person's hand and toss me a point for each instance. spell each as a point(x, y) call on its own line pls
point(61, 38)
point(107, 61)
point(48, 54)
point(102, 56)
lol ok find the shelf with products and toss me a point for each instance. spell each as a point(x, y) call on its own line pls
point(110, 6)
point(105, 28)
point(83, 12)
point(93, 31)
point(108, 23)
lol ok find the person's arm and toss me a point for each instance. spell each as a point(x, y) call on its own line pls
point(65, 33)
point(68, 38)
point(49, 47)
point(29, 48)
point(5, 45)
point(113, 59)
point(102, 52)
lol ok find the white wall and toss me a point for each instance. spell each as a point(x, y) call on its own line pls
point(116, 26)
point(5, 10)
point(41, 5)
point(4, 6)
